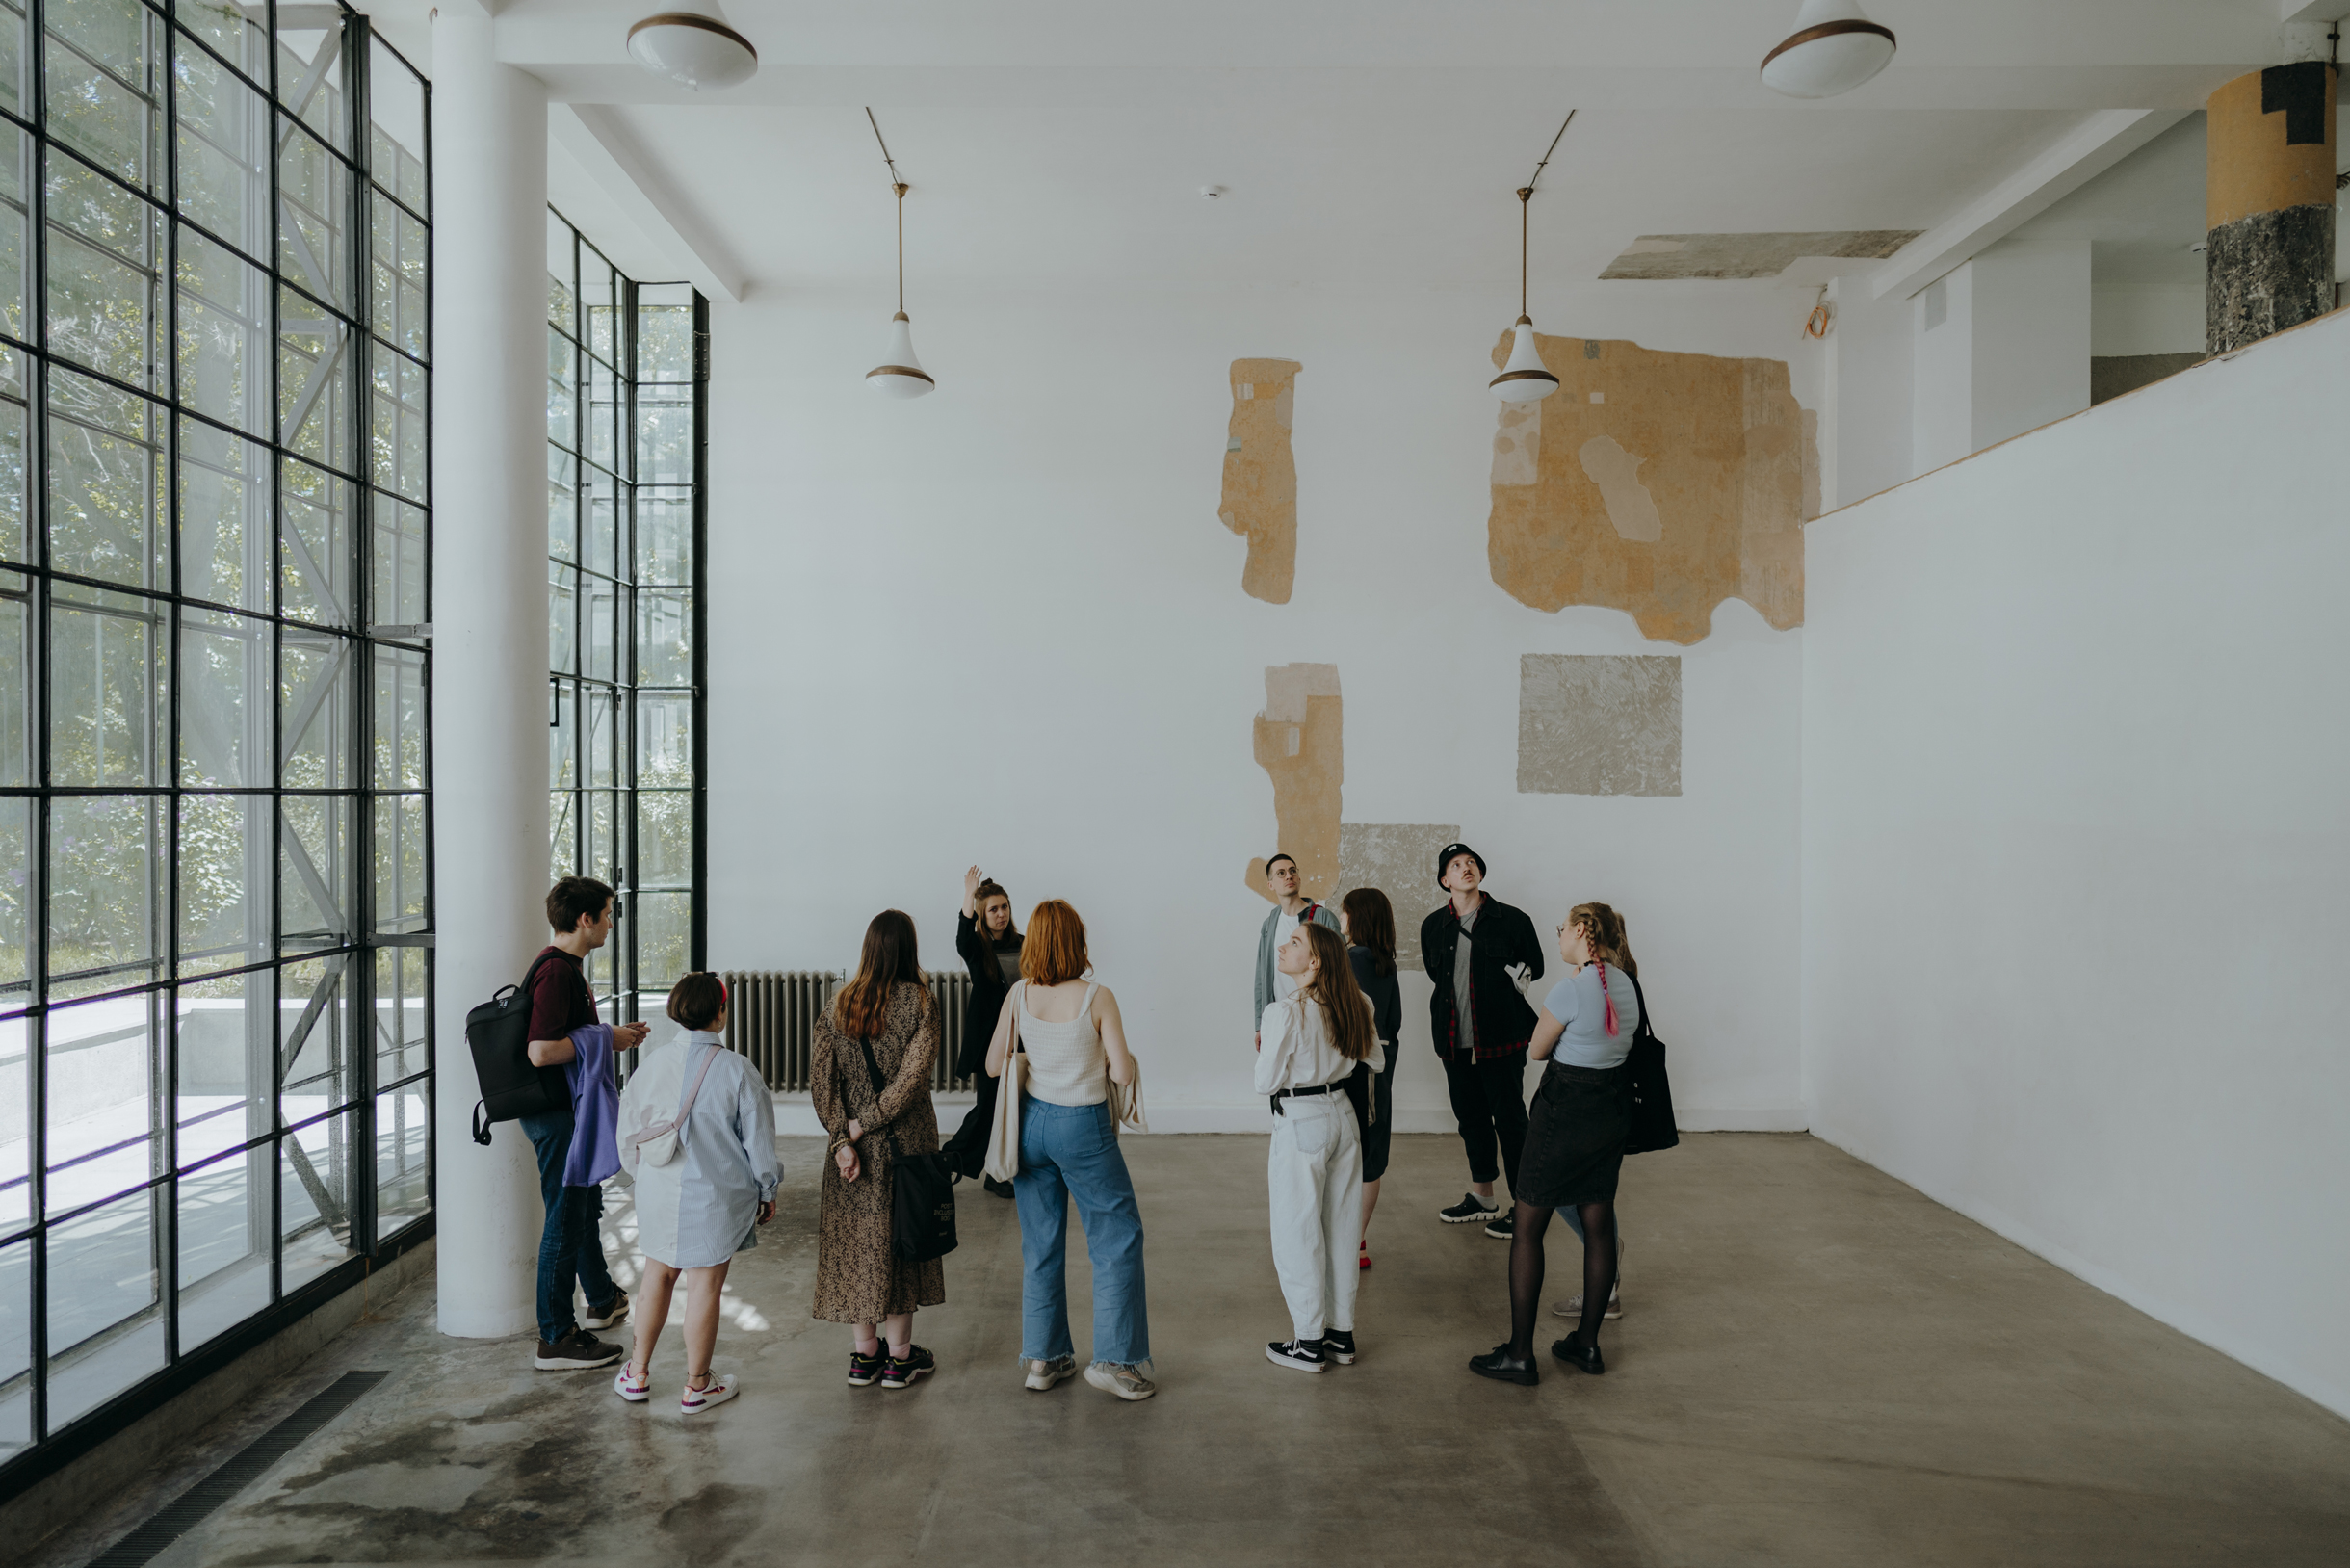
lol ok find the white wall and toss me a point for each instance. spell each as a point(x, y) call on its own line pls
point(1942, 357)
point(2075, 847)
point(1864, 419)
point(2031, 312)
point(1003, 624)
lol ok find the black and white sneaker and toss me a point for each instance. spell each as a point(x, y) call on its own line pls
point(576, 1352)
point(608, 1316)
point(1504, 1227)
point(1471, 1209)
point(1295, 1354)
point(1336, 1347)
point(903, 1372)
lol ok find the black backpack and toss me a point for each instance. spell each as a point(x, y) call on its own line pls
point(499, 1031)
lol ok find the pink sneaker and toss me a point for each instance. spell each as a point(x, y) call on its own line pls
point(629, 1385)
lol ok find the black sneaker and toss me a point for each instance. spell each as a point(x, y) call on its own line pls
point(996, 1189)
point(1298, 1354)
point(576, 1352)
point(901, 1371)
point(1471, 1209)
point(1336, 1347)
point(607, 1315)
point(1504, 1227)
point(863, 1370)
point(1502, 1367)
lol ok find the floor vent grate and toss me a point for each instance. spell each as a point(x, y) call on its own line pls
point(197, 1503)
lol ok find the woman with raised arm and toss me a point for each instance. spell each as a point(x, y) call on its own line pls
point(883, 1023)
point(1574, 1140)
point(989, 946)
point(1368, 923)
point(1075, 1042)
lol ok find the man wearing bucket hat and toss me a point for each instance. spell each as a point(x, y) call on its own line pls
point(1481, 954)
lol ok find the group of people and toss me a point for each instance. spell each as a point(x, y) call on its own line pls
point(694, 1127)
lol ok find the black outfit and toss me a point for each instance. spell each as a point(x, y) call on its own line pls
point(1487, 1080)
point(1575, 1138)
point(1387, 1022)
point(967, 1150)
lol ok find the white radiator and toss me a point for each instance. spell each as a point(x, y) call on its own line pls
point(771, 1014)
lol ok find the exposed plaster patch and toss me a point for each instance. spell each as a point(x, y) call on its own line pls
point(1260, 498)
point(1399, 860)
point(1299, 741)
point(1748, 255)
point(1599, 724)
point(1617, 473)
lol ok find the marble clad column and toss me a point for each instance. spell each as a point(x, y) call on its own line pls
point(2270, 195)
point(489, 681)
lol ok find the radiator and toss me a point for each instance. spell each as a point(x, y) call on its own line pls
point(771, 1015)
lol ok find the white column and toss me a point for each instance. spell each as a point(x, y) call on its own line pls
point(489, 615)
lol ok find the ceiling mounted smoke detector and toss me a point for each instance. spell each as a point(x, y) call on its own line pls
point(1834, 49)
point(696, 49)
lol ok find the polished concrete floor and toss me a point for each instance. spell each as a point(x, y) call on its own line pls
point(1817, 1367)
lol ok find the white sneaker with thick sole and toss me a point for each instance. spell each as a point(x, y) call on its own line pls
point(1573, 1306)
point(722, 1387)
point(1043, 1374)
point(1125, 1381)
point(632, 1388)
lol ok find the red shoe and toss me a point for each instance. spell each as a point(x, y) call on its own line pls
point(1363, 1258)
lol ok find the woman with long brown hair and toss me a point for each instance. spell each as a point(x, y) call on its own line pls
point(884, 1025)
point(1368, 923)
point(1312, 1039)
point(1573, 1139)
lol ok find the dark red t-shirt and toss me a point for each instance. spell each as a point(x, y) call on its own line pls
point(559, 1003)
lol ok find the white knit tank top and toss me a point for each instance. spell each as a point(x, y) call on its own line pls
point(1067, 1065)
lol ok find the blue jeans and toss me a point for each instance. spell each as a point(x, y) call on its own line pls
point(571, 1246)
point(1065, 1152)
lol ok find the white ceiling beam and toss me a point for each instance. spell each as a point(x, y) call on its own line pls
point(593, 135)
point(2090, 148)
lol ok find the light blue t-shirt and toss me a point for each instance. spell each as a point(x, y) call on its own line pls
point(1578, 1002)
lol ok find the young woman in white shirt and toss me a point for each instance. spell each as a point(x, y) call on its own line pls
point(1310, 1041)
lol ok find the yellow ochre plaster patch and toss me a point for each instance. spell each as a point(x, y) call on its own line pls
point(1260, 500)
point(1301, 742)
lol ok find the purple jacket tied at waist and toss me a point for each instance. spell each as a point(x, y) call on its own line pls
point(596, 1108)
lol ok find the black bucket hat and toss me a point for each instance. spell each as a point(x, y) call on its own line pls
point(1452, 852)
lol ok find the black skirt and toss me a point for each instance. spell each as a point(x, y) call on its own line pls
point(1574, 1138)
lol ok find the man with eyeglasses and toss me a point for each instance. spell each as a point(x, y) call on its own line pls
point(582, 912)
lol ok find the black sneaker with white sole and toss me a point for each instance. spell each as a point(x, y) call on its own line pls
point(1504, 1227)
point(1471, 1209)
point(1336, 1347)
point(1296, 1354)
point(576, 1352)
point(901, 1372)
point(611, 1314)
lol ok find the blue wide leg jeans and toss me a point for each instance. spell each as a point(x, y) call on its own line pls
point(1065, 1152)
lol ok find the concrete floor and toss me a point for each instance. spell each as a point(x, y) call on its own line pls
point(1817, 1367)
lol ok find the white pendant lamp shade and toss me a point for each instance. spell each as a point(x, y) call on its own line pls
point(1834, 49)
point(1525, 378)
point(899, 375)
point(696, 50)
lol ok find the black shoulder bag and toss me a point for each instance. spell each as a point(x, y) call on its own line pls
point(921, 1190)
point(1648, 1093)
point(498, 1033)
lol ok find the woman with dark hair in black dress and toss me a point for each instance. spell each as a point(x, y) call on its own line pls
point(1368, 922)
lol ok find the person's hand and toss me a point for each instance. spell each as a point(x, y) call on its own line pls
point(846, 1157)
point(1260, 1039)
point(628, 1037)
point(971, 883)
point(1521, 976)
point(767, 1210)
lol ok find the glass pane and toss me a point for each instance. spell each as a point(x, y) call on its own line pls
point(604, 411)
point(313, 381)
point(562, 391)
point(223, 732)
point(17, 895)
point(106, 483)
point(314, 1198)
point(16, 419)
point(223, 142)
point(224, 533)
point(400, 1014)
point(665, 838)
point(238, 32)
point(15, 150)
point(665, 931)
point(107, 704)
point(15, 1341)
point(665, 648)
point(400, 720)
point(400, 863)
point(105, 870)
point(600, 298)
point(17, 663)
point(318, 1069)
point(103, 1061)
point(224, 882)
point(396, 104)
point(15, 98)
point(605, 602)
point(603, 740)
point(310, 71)
point(403, 1157)
point(604, 553)
point(400, 563)
point(397, 263)
point(562, 267)
point(562, 739)
point(601, 854)
point(563, 835)
point(313, 196)
point(563, 504)
point(314, 575)
point(103, 1275)
point(15, 1141)
point(105, 270)
point(105, 86)
point(316, 709)
point(664, 535)
point(223, 1244)
point(224, 335)
point(397, 424)
point(664, 435)
point(313, 882)
point(563, 617)
point(227, 1066)
point(665, 334)
point(665, 740)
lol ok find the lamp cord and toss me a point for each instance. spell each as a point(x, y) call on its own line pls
point(1526, 196)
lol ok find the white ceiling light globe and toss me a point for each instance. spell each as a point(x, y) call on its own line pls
point(899, 375)
point(1834, 49)
point(1525, 378)
point(693, 49)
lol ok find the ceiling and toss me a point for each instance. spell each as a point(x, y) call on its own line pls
point(1059, 144)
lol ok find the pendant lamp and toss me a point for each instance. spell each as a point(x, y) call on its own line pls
point(1524, 378)
point(899, 375)
point(696, 49)
point(1834, 49)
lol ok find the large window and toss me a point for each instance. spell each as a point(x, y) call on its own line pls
point(215, 878)
point(624, 473)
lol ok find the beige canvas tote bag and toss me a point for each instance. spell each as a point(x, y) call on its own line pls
point(1003, 1135)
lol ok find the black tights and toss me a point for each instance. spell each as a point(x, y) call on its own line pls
point(1526, 1272)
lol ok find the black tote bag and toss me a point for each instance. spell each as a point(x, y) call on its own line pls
point(922, 1192)
point(1647, 1092)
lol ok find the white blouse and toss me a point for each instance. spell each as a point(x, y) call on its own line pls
point(1298, 1053)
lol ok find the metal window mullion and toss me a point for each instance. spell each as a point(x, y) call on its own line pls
point(360, 985)
point(37, 451)
point(698, 905)
point(166, 1026)
point(277, 455)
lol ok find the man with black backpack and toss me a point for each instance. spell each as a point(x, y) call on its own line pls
point(582, 911)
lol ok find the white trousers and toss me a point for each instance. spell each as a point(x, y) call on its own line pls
point(1314, 1174)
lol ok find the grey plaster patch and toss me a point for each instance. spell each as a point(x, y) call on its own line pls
point(1399, 860)
point(1599, 724)
point(1748, 255)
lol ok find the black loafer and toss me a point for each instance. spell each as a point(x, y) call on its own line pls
point(1575, 1353)
point(1502, 1367)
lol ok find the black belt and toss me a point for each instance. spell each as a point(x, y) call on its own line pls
point(1280, 1095)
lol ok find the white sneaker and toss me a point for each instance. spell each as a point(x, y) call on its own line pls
point(1573, 1306)
point(722, 1387)
point(1125, 1381)
point(1043, 1374)
point(634, 1389)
